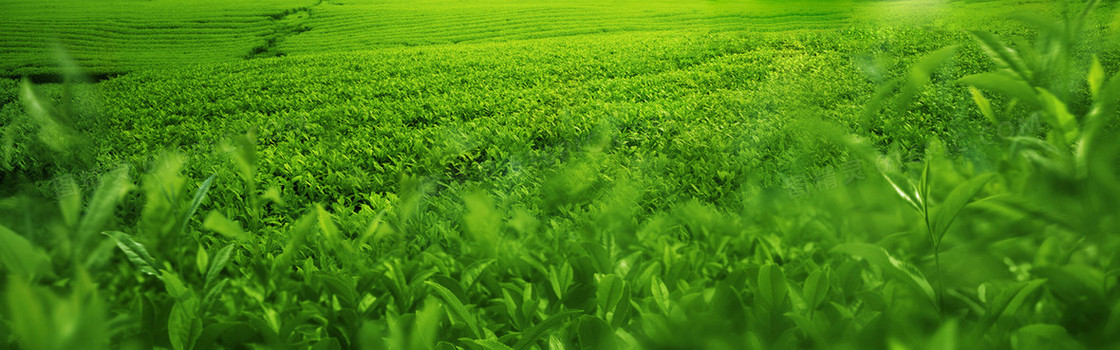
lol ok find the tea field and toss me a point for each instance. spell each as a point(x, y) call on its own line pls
point(495, 174)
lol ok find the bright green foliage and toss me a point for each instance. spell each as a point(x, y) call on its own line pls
point(678, 180)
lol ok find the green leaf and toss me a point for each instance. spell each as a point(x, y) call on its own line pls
point(482, 222)
point(455, 307)
point(613, 298)
point(599, 256)
point(326, 225)
point(217, 222)
point(945, 338)
point(895, 268)
point(343, 288)
point(932, 60)
point(29, 318)
point(114, 185)
point(609, 294)
point(554, 343)
point(490, 344)
point(472, 273)
point(560, 279)
point(983, 104)
point(1095, 77)
point(1104, 106)
point(1043, 23)
point(510, 304)
point(811, 329)
point(1059, 116)
point(199, 195)
point(902, 192)
point(661, 294)
point(921, 72)
point(921, 194)
point(1004, 84)
point(1043, 336)
point(539, 330)
point(245, 156)
point(1074, 282)
point(1020, 297)
point(69, 200)
point(21, 257)
point(53, 131)
point(451, 284)
point(175, 286)
point(272, 194)
point(219, 263)
point(772, 289)
point(1004, 56)
point(372, 228)
point(183, 324)
point(816, 288)
point(955, 202)
point(594, 333)
point(296, 237)
point(135, 252)
point(202, 260)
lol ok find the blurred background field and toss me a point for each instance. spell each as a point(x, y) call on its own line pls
point(569, 174)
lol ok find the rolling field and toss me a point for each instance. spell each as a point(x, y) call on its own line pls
point(109, 38)
point(551, 175)
point(119, 36)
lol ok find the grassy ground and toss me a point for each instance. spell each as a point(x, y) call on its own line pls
point(696, 174)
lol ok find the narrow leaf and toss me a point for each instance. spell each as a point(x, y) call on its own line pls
point(1004, 84)
point(1095, 77)
point(135, 252)
point(217, 222)
point(895, 268)
point(1004, 56)
point(956, 201)
point(21, 257)
point(983, 104)
point(455, 307)
point(816, 289)
point(902, 193)
point(199, 195)
point(219, 263)
point(772, 287)
point(539, 330)
point(114, 185)
point(1059, 116)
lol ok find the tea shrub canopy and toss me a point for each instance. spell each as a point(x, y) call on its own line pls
point(547, 175)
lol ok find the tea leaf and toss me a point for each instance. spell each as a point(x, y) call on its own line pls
point(220, 260)
point(1004, 56)
point(947, 212)
point(1095, 77)
point(135, 252)
point(217, 222)
point(199, 195)
point(816, 288)
point(539, 330)
point(1060, 117)
point(772, 287)
point(112, 189)
point(1004, 84)
point(456, 308)
point(983, 104)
